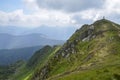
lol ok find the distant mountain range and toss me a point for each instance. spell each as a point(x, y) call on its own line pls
point(9, 56)
point(59, 33)
point(8, 41)
point(18, 43)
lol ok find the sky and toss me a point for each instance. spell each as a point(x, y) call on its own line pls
point(57, 13)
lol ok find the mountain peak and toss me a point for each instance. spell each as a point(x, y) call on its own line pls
point(103, 21)
point(89, 47)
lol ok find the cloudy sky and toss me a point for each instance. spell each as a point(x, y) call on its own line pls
point(60, 13)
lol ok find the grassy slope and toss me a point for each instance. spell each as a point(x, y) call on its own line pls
point(100, 55)
point(5, 72)
point(44, 61)
point(105, 64)
point(25, 71)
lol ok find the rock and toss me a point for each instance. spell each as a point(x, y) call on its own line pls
point(73, 51)
point(87, 35)
point(63, 54)
point(93, 36)
point(67, 56)
point(87, 38)
point(92, 27)
point(72, 45)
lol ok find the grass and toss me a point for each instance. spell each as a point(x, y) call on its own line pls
point(100, 71)
point(103, 49)
point(42, 62)
point(24, 72)
point(104, 73)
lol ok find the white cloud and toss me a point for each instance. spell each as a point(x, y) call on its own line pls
point(43, 17)
point(45, 13)
point(31, 4)
point(69, 5)
point(109, 9)
point(112, 6)
point(37, 18)
point(9, 18)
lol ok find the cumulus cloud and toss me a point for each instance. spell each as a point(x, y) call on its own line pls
point(13, 17)
point(69, 5)
point(31, 4)
point(110, 8)
point(61, 12)
point(18, 18)
point(81, 11)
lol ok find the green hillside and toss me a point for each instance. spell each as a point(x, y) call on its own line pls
point(7, 71)
point(91, 53)
point(22, 70)
point(41, 56)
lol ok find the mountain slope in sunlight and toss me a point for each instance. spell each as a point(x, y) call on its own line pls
point(34, 63)
point(91, 53)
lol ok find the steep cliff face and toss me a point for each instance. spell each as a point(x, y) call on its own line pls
point(90, 48)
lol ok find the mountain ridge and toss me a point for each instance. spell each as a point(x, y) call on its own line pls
point(20, 41)
point(90, 46)
point(53, 32)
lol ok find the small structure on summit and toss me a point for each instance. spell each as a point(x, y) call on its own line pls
point(104, 17)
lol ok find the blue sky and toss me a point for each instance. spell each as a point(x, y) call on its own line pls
point(56, 13)
point(10, 5)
